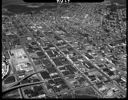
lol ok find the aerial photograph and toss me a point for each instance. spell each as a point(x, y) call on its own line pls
point(64, 50)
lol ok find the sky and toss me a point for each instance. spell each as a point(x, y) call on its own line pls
point(6, 2)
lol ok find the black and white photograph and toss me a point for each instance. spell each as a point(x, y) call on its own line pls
point(64, 49)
